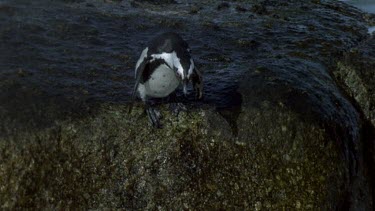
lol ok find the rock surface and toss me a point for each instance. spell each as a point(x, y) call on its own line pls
point(356, 71)
point(287, 122)
point(356, 74)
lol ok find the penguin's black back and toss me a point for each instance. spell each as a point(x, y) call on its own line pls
point(166, 43)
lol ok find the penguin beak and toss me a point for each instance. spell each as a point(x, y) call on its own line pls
point(184, 86)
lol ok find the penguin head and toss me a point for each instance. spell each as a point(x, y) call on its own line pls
point(184, 65)
point(175, 53)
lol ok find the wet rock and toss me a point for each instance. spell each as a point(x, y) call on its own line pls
point(356, 74)
point(240, 9)
point(251, 44)
point(7, 10)
point(370, 18)
point(194, 9)
point(112, 1)
point(176, 24)
point(69, 1)
point(270, 88)
point(114, 159)
point(157, 2)
point(23, 73)
point(89, 5)
point(223, 5)
point(211, 25)
point(259, 9)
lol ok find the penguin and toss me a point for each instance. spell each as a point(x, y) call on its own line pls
point(163, 66)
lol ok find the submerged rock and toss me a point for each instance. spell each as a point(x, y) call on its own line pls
point(283, 125)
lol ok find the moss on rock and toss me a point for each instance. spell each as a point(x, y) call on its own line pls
point(114, 159)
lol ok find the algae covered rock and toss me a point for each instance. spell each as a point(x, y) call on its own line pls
point(112, 160)
point(356, 72)
point(295, 111)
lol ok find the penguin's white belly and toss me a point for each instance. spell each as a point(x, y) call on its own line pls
point(162, 82)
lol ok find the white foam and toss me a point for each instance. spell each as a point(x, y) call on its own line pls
point(371, 29)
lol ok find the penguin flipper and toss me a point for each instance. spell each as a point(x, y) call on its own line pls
point(197, 81)
point(142, 74)
point(138, 76)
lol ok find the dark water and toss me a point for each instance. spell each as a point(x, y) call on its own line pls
point(88, 50)
point(80, 50)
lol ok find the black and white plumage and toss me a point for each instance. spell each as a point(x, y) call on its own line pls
point(163, 65)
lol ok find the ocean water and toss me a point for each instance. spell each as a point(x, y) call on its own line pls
point(76, 50)
point(365, 5)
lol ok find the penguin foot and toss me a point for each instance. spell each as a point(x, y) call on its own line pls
point(154, 117)
point(176, 108)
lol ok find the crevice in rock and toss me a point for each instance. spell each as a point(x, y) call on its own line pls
point(368, 138)
point(367, 129)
